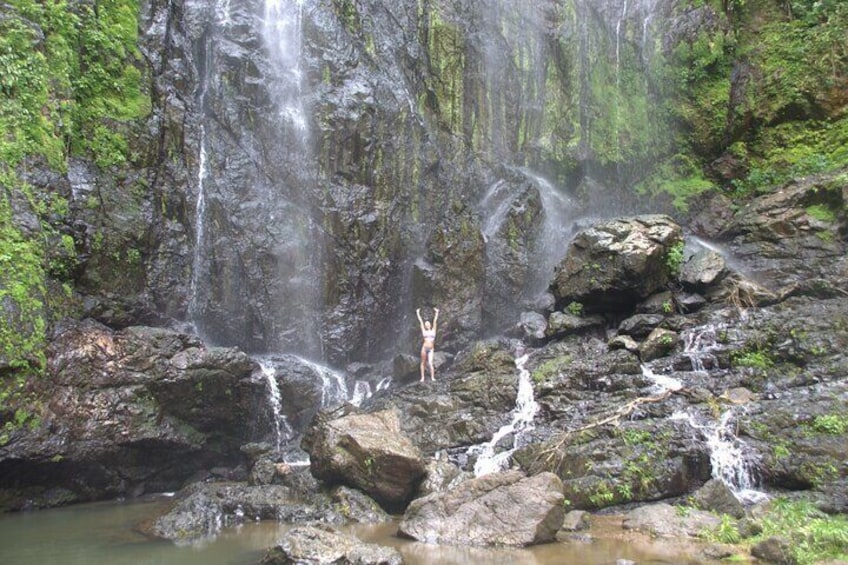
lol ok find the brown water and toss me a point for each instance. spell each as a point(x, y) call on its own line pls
point(108, 533)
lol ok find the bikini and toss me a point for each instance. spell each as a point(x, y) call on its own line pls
point(428, 334)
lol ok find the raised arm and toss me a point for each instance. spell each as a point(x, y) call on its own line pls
point(420, 321)
point(435, 318)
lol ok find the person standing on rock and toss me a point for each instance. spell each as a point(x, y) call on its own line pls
point(429, 345)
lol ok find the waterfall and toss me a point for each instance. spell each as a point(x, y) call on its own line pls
point(521, 263)
point(334, 389)
point(699, 344)
point(557, 228)
point(731, 460)
point(281, 31)
point(282, 430)
point(662, 383)
point(199, 259)
point(361, 391)
point(521, 422)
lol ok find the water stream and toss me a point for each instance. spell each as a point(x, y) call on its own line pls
point(521, 422)
point(732, 461)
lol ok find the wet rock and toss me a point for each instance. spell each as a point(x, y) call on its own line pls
point(688, 302)
point(624, 342)
point(716, 497)
point(202, 510)
point(442, 475)
point(357, 507)
point(325, 545)
point(367, 452)
point(575, 521)
point(532, 326)
point(663, 520)
point(133, 411)
point(703, 269)
point(640, 325)
point(658, 343)
point(461, 408)
point(659, 303)
point(774, 550)
point(614, 265)
point(561, 324)
point(499, 509)
point(781, 241)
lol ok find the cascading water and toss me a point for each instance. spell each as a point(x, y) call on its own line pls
point(662, 383)
point(699, 345)
point(521, 422)
point(731, 460)
point(199, 259)
point(334, 389)
point(281, 31)
point(504, 210)
point(281, 427)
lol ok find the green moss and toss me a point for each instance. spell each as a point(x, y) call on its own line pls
point(678, 177)
point(821, 212)
point(70, 79)
point(757, 359)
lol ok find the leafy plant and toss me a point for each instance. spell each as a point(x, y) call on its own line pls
point(757, 359)
point(674, 258)
point(832, 424)
point(725, 532)
point(574, 308)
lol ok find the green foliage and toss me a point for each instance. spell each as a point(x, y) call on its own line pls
point(754, 358)
point(22, 294)
point(69, 78)
point(831, 424)
point(821, 212)
point(814, 537)
point(725, 532)
point(678, 177)
point(674, 259)
point(574, 308)
point(550, 368)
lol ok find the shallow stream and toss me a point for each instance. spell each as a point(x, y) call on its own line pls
point(109, 533)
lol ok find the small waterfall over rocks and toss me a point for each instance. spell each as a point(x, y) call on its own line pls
point(488, 461)
point(732, 461)
point(282, 430)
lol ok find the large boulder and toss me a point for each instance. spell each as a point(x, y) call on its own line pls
point(664, 520)
point(368, 452)
point(499, 509)
point(792, 234)
point(201, 510)
point(615, 264)
point(132, 411)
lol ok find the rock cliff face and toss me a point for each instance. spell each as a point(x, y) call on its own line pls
point(128, 412)
point(284, 214)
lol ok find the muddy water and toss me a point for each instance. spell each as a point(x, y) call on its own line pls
point(108, 533)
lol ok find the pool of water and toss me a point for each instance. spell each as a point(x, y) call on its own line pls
point(110, 533)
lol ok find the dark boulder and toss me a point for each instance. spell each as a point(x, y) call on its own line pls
point(615, 264)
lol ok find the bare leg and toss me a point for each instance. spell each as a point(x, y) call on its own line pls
point(422, 367)
point(430, 362)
